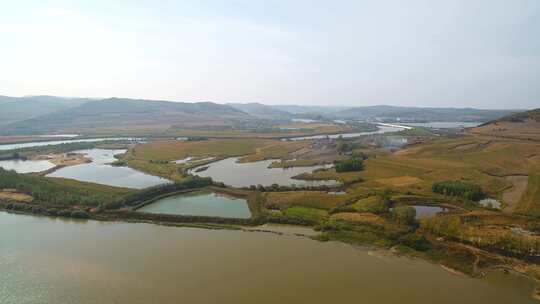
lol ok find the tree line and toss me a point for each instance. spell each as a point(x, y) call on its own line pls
point(462, 189)
point(45, 190)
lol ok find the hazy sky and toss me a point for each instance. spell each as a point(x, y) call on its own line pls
point(480, 53)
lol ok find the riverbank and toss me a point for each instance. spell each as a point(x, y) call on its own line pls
point(466, 259)
point(82, 260)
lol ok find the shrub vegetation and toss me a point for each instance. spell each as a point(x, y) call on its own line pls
point(353, 164)
point(460, 189)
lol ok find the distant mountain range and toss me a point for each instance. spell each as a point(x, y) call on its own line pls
point(14, 109)
point(262, 111)
point(117, 114)
point(51, 114)
point(393, 113)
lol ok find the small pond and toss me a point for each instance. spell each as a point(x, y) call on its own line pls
point(233, 173)
point(427, 211)
point(26, 166)
point(101, 172)
point(201, 203)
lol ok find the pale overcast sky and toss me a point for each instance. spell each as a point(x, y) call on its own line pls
point(477, 53)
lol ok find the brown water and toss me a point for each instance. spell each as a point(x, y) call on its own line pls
point(44, 260)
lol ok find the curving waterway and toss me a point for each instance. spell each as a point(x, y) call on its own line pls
point(101, 172)
point(45, 260)
point(59, 142)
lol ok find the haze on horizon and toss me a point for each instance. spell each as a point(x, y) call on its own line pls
point(483, 54)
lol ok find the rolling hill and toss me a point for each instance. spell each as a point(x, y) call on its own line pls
point(261, 111)
point(13, 109)
point(118, 115)
point(309, 110)
point(522, 125)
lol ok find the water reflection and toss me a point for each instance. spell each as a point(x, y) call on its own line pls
point(233, 173)
point(100, 171)
point(202, 203)
point(93, 262)
point(26, 166)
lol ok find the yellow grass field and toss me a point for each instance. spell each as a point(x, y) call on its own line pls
point(276, 150)
point(168, 150)
point(485, 160)
point(14, 196)
point(399, 181)
point(314, 199)
point(530, 201)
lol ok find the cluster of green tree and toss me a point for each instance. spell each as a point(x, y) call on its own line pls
point(50, 211)
point(49, 191)
point(119, 163)
point(353, 164)
point(138, 197)
point(176, 218)
point(197, 138)
point(284, 188)
point(460, 189)
point(404, 215)
point(376, 234)
point(159, 162)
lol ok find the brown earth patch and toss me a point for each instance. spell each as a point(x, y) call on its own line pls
point(368, 218)
point(513, 195)
point(399, 181)
point(9, 195)
point(66, 159)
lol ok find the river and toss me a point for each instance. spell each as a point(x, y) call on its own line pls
point(58, 142)
point(381, 130)
point(45, 260)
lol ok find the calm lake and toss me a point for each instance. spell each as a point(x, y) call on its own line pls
point(58, 142)
point(26, 166)
point(99, 171)
point(44, 260)
point(235, 174)
point(203, 203)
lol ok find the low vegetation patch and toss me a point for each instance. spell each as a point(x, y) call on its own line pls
point(373, 204)
point(530, 200)
point(306, 213)
point(60, 191)
point(170, 150)
point(313, 199)
point(349, 165)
